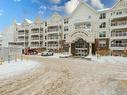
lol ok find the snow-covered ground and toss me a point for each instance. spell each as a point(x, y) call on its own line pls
point(99, 59)
point(109, 59)
point(14, 68)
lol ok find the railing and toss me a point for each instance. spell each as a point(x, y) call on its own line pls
point(20, 40)
point(53, 30)
point(119, 23)
point(52, 45)
point(35, 33)
point(53, 38)
point(119, 13)
point(84, 27)
point(118, 34)
point(19, 34)
point(119, 45)
point(35, 45)
point(35, 39)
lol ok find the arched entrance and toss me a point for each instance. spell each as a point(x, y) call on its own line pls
point(80, 43)
point(80, 48)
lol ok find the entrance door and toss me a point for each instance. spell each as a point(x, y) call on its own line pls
point(81, 48)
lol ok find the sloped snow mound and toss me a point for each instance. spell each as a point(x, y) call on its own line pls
point(14, 68)
point(109, 59)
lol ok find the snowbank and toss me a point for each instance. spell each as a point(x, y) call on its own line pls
point(109, 59)
point(14, 68)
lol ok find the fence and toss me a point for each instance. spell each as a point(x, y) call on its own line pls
point(9, 53)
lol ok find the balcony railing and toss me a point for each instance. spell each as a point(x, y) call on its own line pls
point(21, 34)
point(21, 40)
point(36, 45)
point(119, 13)
point(35, 39)
point(119, 23)
point(53, 38)
point(119, 45)
point(53, 45)
point(118, 34)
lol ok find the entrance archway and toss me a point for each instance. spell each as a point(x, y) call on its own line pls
point(80, 43)
point(80, 48)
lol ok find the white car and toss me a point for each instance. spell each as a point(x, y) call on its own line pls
point(47, 53)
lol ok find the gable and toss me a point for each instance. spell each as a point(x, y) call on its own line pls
point(83, 11)
point(55, 18)
point(38, 20)
point(120, 5)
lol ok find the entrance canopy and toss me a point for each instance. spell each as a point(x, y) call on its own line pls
point(74, 36)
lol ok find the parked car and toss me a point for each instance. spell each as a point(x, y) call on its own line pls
point(47, 53)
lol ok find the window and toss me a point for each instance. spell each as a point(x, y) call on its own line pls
point(102, 45)
point(64, 36)
point(45, 37)
point(103, 25)
point(45, 23)
point(65, 21)
point(66, 28)
point(45, 30)
point(103, 16)
point(102, 34)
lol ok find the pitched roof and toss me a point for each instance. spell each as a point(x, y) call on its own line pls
point(85, 4)
point(118, 1)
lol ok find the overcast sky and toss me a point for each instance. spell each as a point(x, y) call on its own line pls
point(11, 10)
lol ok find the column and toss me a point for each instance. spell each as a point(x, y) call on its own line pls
point(90, 49)
point(70, 49)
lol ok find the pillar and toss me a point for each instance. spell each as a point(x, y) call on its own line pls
point(90, 49)
point(70, 49)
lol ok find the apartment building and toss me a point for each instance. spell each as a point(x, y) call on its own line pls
point(86, 31)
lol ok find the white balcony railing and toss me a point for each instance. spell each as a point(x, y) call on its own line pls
point(52, 45)
point(119, 45)
point(35, 46)
point(53, 38)
point(119, 13)
point(118, 24)
point(119, 34)
point(35, 39)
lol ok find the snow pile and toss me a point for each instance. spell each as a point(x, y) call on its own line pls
point(109, 59)
point(14, 68)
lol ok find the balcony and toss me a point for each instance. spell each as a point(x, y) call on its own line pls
point(35, 39)
point(52, 46)
point(53, 29)
point(35, 45)
point(118, 46)
point(53, 38)
point(119, 25)
point(119, 14)
point(119, 35)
